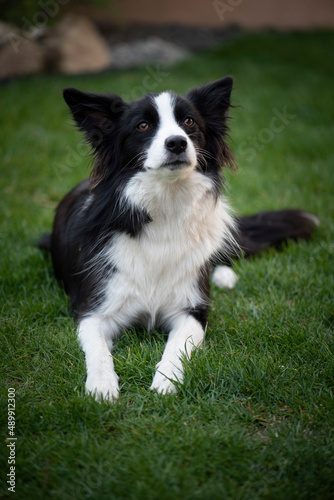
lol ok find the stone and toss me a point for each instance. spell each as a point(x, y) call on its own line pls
point(75, 46)
point(19, 55)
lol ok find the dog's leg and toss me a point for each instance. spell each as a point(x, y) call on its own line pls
point(102, 380)
point(186, 334)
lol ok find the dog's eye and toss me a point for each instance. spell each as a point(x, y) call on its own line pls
point(189, 121)
point(143, 126)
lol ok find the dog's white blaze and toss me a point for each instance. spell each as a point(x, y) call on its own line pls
point(157, 153)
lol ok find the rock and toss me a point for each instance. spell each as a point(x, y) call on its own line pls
point(151, 50)
point(19, 55)
point(5, 29)
point(75, 46)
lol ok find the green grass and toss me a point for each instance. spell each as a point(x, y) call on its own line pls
point(255, 416)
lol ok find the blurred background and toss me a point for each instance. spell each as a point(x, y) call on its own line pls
point(81, 36)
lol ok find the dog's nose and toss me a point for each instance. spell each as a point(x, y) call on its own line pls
point(176, 144)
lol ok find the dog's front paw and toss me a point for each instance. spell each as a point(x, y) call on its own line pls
point(103, 387)
point(163, 380)
point(163, 386)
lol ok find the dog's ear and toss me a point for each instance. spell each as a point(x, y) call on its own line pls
point(95, 114)
point(212, 102)
point(213, 99)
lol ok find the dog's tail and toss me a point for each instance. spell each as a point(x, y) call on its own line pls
point(272, 229)
point(45, 242)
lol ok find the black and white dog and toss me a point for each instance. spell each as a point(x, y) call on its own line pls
point(136, 242)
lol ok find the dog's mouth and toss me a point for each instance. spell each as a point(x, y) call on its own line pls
point(176, 164)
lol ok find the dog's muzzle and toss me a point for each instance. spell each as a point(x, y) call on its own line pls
point(176, 145)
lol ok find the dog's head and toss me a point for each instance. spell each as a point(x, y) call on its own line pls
point(163, 133)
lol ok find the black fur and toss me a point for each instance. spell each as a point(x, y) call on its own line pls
point(136, 242)
point(82, 229)
point(89, 216)
point(272, 229)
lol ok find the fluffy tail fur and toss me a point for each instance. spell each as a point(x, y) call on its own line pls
point(272, 229)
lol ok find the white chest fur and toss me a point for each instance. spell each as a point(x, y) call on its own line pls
point(158, 270)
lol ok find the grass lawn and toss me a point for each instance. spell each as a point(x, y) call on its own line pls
point(255, 416)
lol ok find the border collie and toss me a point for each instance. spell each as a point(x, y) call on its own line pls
point(135, 243)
